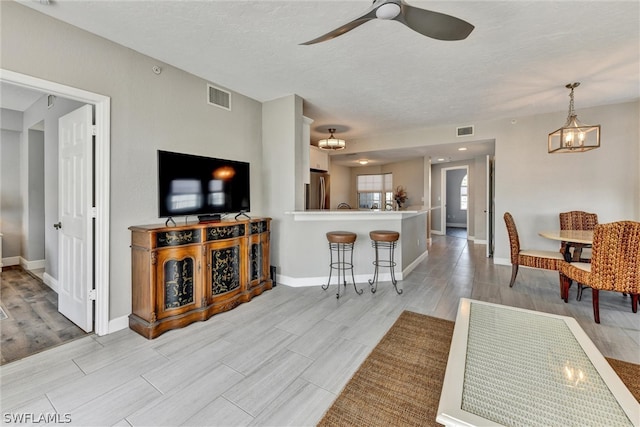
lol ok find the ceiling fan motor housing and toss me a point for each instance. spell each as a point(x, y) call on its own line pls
point(388, 10)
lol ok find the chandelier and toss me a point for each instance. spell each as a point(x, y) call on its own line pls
point(574, 136)
point(331, 143)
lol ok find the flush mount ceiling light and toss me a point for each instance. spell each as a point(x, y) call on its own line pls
point(574, 136)
point(363, 161)
point(332, 143)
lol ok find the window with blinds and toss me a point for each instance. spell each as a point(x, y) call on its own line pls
point(375, 191)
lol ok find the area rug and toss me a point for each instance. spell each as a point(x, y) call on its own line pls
point(399, 383)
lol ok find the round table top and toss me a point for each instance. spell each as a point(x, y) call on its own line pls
point(575, 236)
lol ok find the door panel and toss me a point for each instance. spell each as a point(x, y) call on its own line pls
point(75, 216)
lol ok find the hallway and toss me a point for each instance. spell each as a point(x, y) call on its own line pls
point(33, 323)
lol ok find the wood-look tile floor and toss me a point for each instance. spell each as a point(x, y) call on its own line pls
point(33, 323)
point(282, 358)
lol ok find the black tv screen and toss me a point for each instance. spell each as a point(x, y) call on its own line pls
point(197, 185)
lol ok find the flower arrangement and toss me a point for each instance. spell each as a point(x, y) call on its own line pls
point(400, 196)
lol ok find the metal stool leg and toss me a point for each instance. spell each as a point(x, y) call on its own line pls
point(384, 263)
point(374, 282)
point(392, 265)
point(325, 287)
point(341, 265)
point(359, 292)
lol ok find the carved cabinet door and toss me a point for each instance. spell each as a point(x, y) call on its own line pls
point(179, 276)
point(226, 275)
point(258, 258)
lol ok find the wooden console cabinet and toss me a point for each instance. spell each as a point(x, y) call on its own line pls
point(188, 273)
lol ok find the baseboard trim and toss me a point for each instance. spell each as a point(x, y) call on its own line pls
point(502, 261)
point(51, 282)
point(118, 324)
point(300, 282)
point(414, 264)
point(9, 261)
point(32, 265)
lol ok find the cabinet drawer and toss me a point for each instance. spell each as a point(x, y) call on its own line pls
point(224, 232)
point(177, 238)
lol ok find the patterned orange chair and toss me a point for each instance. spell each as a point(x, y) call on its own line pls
point(547, 260)
point(614, 266)
point(577, 220)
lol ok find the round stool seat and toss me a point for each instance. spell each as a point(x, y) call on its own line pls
point(384, 235)
point(341, 237)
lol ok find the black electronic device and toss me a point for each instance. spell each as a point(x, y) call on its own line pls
point(204, 186)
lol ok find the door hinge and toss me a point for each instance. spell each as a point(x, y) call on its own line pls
point(94, 130)
point(92, 295)
point(93, 212)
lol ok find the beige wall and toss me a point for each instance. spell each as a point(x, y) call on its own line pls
point(535, 185)
point(148, 112)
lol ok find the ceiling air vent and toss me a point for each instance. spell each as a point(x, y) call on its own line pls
point(464, 131)
point(218, 97)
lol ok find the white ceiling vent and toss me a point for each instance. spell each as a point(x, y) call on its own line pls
point(218, 97)
point(464, 131)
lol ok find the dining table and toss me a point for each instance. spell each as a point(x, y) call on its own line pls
point(570, 237)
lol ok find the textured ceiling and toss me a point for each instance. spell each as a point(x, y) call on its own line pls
point(382, 76)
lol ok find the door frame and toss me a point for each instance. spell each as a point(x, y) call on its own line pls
point(102, 111)
point(443, 196)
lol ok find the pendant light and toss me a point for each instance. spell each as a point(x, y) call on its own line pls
point(574, 136)
point(331, 143)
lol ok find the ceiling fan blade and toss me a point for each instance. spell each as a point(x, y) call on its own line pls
point(369, 15)
point(433, 24)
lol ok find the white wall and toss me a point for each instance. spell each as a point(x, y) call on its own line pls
point(148, 112)
point(10, 199)
point(340, 182)
point(38, 223)
point(281, 137)
point(536, 186)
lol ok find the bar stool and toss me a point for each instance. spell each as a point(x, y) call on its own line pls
point(341, 243)
point(384, 239)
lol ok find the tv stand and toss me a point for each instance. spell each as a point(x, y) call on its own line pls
point(188, 273)
point(242, 213)
point(209, 218)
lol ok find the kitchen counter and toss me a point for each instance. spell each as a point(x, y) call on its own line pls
point(351, 214)
point(303, 239)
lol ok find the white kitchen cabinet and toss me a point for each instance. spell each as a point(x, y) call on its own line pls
point(318, 159)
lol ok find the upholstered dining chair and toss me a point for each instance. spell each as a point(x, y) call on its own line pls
point(547, 260)
point(577, 220)
point(614, 266)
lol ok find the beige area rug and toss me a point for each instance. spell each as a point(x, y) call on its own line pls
point(399, 383)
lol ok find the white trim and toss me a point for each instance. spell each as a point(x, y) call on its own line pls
point(118, 324)
point(301, 282)
point(480, 242)
point(102, 170)
point(502, 261)
point(32, 265)
point(50, 282)
point(414, 264)
point(10, 260)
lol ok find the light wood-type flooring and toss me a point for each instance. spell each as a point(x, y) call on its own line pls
point(282, 358)
point(33, 323)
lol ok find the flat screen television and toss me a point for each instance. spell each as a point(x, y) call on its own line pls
point(202, 186)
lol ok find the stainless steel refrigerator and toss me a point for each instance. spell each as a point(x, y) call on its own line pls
point(317, 194)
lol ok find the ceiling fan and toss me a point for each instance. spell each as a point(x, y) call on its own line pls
point(431, 24)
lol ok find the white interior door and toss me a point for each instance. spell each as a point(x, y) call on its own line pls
point(75, 218)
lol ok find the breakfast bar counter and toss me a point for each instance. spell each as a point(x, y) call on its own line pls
point(303, 240)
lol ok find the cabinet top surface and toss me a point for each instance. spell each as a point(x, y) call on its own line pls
point(194, 224)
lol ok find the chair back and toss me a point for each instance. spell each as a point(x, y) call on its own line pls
point(578, 220)
point(514, 240)
point(615, 264)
